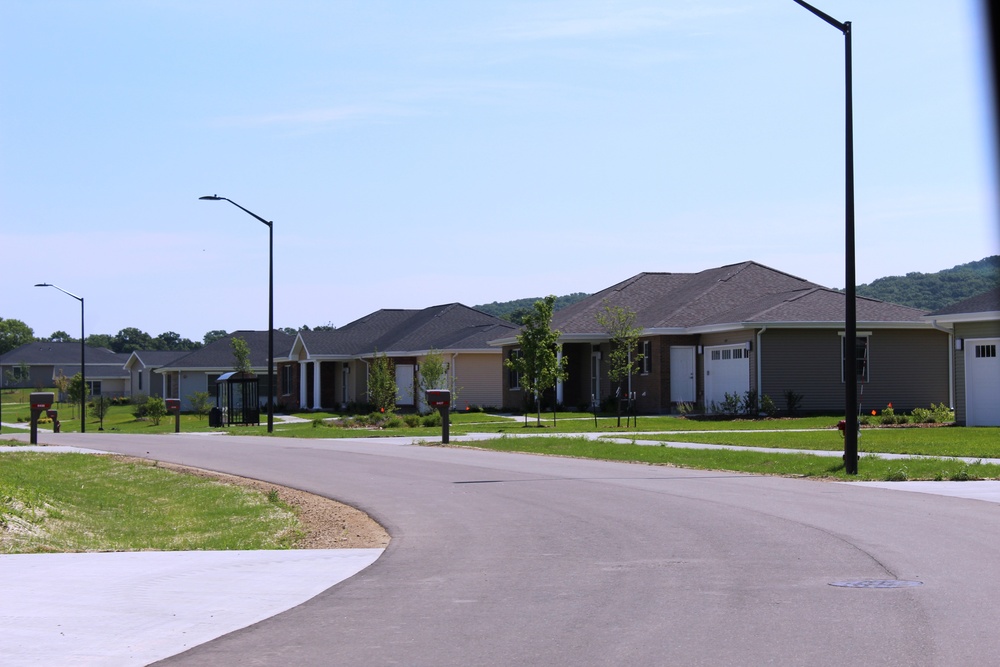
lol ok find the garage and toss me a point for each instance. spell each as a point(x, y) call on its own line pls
point(727, 371)
point(982, 382)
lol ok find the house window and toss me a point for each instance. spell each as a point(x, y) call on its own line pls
point(647, 356)
point(861, 359)
point(212, 386)
point(513, 377)
point(286, 379)
point(983, 351)
point(140, 380)
point(94, 386)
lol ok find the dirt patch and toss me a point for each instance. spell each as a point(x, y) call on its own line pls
point(326, 523)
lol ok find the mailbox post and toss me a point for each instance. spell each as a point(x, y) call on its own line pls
point(441, 399)
point(40, 401)
point(174, 406)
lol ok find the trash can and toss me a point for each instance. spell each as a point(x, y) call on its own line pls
point(215, 417)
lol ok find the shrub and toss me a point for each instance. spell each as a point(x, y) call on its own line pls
point(731, 405)
point(768, 407)
point(156, 409)
point(748, 404)
point(942, 413)
point(431, 420)
point(412, 420)
point(921, 416)
point(793, 402)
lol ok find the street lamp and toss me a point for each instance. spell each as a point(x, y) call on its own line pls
point(83, 358)
point(270, 306)
point(850, 314)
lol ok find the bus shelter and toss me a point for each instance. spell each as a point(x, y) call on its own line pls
point(237, 399)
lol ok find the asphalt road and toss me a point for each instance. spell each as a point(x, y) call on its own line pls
point(506, 559)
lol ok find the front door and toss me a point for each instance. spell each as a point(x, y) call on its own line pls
point(404, 384)
point(682, 382)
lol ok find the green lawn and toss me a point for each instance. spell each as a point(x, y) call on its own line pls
point(81, 502)
point(795, 464)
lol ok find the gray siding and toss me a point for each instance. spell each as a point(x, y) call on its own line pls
point(968, 330)
point(907, 368)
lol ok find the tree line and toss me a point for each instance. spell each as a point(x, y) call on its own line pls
point(933, 291)
point(15, 333)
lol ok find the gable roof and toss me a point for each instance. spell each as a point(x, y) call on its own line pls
point(397, 332)
point(725, 297)
point(218, 355)
point(152, 358)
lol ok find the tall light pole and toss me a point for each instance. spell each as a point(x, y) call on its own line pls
point(83, 358)
point(851, 312)
point(270, 306)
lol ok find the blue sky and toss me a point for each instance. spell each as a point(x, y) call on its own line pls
point(412, 154)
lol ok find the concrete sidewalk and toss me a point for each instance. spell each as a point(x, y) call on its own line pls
point(139, 607)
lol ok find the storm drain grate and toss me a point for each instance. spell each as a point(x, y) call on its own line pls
point(877, 583)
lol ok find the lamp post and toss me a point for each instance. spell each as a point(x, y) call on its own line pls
point(850, 314)
point(270, 306)
point(83, 358)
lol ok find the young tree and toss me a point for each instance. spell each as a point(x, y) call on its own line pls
point(241, 355)
point(434, 375)
point(77, 390)
point(623, 360)
point(155, 410)
point(382, 383)
point(62, 385)
point(538, 364)
point(99, 408)
point(201, 403)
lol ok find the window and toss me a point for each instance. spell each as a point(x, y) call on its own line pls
point(647, 356)
point(286, 379)
point(513, 377)
point(140, 380)
point(94, 386)
point(861, 369)
point(983, 351)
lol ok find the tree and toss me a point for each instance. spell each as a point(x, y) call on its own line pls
point(201, 403)
point(623, 361)
point(99, 408)
point(538, 364)
point(61, 337)
point(100, 340)
point(214, 335)
point(241, 355)
point(62, 385)
point(155, 409)
point(131, 339)
point(14, 334)
point(382, 383)
point(434, 375)
point(77, 390)
point(172, 341)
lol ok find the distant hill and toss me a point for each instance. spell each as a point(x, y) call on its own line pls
point(932, 291)
point(514, 311)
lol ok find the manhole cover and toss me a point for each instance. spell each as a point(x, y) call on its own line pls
point(877, 583)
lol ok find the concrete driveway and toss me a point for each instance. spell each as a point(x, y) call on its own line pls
point(506, 559)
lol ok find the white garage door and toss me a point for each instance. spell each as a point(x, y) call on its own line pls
point(727, 370)
point(982, 382)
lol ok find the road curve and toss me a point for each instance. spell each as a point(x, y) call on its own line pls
point(508, 559)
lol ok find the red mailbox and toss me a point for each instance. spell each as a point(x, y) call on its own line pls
point(173, 404)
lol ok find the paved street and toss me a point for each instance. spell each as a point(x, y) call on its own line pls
point(506, 559)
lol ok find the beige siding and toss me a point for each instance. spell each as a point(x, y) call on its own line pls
point(477, 379)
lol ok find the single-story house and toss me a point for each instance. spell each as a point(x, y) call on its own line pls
point(975, 328)
point(45, 361)
point(741, 328)
point(199, 370)
point(329, 369)
point(142, 364)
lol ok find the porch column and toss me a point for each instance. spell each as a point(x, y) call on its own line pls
point(316, 374)
point(302, 385)
point(559, 383)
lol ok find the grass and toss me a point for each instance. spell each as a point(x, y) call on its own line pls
point(792, 464)
point(82, 502)
point(938, 441)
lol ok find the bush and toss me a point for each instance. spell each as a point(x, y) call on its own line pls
point(731, 405)
point(156, 409)
point(748, 404)
point(768, 407)
point(412, 420)
point(921, 416)
point(431, 420)
point(793, 402)
point(942, 413)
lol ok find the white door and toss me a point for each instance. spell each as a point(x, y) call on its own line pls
point(682, 384)
point(982, 382)
point(404, 384)
point(727, 371)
